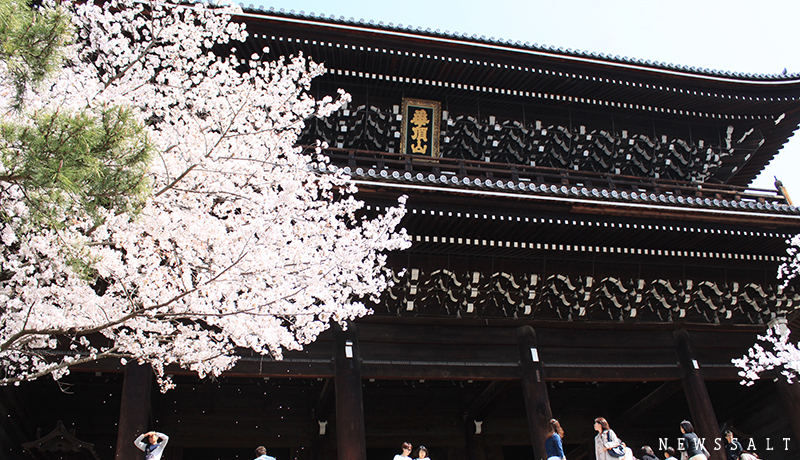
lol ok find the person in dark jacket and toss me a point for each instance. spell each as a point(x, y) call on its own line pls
point(647, 453)
point(733, 448)
point(691, 443)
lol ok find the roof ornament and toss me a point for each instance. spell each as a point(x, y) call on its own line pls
point(782, 190)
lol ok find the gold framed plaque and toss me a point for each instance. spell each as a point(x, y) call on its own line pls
point(420, 130)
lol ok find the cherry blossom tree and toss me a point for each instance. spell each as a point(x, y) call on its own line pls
point(245, 240)
point(775, 350)
point(791, 268)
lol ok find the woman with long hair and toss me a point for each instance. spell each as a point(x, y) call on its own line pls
point(552, 445)
point(605, 440)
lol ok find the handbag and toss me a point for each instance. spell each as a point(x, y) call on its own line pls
point(617, 451)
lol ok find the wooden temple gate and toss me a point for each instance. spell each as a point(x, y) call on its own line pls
point(584, 245)
point(470, 388)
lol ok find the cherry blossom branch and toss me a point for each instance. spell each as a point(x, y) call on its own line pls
point(63, 364)
point(77, 332)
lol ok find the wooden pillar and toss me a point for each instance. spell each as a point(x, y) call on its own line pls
point(702, 412)
point(350, 435)
point(790, 397)
point(134, 412)
point(322, 428)
point(534, 390)
point(474, 442)
point(476, 413)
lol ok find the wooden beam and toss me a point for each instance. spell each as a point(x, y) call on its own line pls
point(486, 401)
point(534, 389)
point(477, 413)
point(438, 371)
point(325, 402)
point(650, 402)
point(134, 411)
point(321, 431)
point(350, 433)
point(644, 406)
point(582, 451)
point(474, 441)
point(622, 373)
point(703, 418)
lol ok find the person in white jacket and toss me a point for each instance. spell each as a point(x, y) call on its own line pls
point(152, 444)
point(605, 440)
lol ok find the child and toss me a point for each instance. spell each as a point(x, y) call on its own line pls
point(422, 454)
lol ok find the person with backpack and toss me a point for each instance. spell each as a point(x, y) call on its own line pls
point(607, 446)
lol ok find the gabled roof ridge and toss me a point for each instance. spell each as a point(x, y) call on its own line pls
point(333, 19)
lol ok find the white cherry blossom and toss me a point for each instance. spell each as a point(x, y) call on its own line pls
point(780, 353)
point(776, 351)
point(244, 243)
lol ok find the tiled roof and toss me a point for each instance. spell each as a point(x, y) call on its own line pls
point(437, 33)
point(753, 203)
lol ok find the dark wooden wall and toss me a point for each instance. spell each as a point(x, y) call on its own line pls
point(17, 424)
point(228, 418)
point(424, 381)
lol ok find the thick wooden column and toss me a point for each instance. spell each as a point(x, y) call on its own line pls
point(322, 428)
point(134, 412)
point(534, 390)
point(790, 397)
point(702, 412)
point(476, 413)
point(350, 435)
point(474, 442)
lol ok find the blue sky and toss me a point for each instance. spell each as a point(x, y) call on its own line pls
point(761, 37)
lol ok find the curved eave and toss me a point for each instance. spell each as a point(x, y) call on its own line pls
point(507, 45)
point(513, 73)
point(608, 207)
